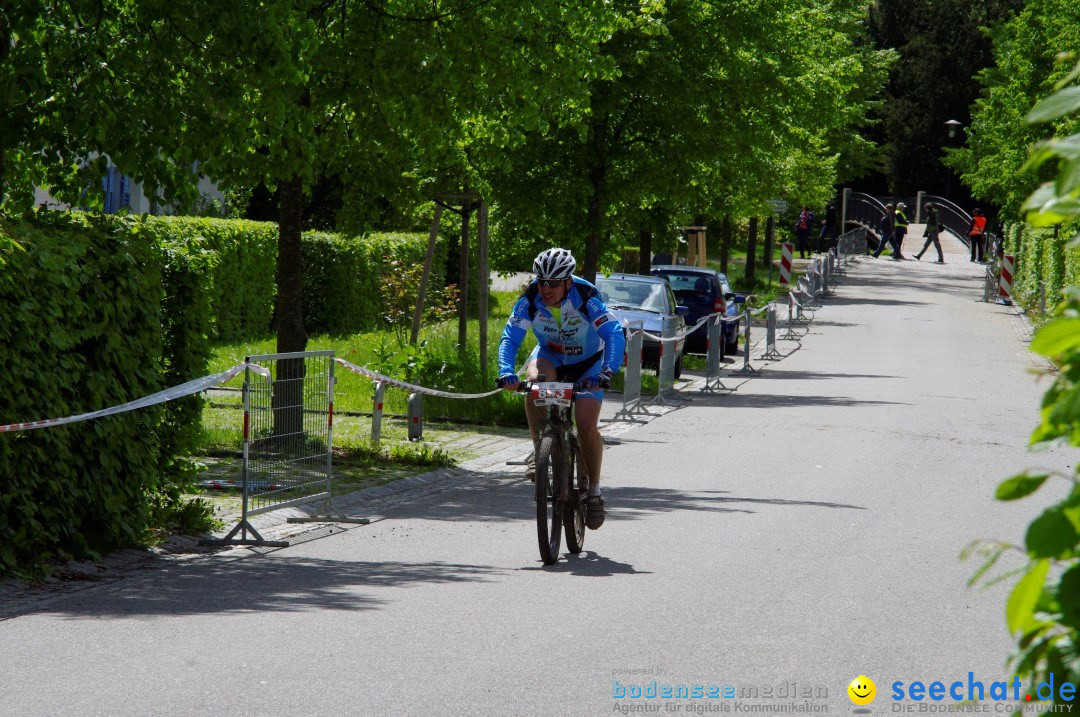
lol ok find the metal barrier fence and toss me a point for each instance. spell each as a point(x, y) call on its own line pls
point(666, 370)
point(991, 288)
point(712, 355)
point(288, 438)
point(748, 316)
point(771, 352)
point(632, 375)
point(852, 244)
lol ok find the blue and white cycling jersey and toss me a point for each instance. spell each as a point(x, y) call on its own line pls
point(587, 329)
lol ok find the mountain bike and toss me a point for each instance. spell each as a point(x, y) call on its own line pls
point(562, 479)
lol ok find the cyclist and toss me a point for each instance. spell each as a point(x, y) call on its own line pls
point(578, 341)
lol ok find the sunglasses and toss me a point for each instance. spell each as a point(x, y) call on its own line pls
point(551, 283)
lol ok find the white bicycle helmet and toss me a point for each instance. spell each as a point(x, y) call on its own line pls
point(554, 264)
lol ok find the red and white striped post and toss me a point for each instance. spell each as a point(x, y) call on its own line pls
point(787, 249)
point(1005, 284)
point(377, 411)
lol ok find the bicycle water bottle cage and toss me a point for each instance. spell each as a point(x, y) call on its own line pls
point(553, 394)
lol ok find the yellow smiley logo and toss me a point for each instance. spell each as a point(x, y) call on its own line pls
point(862, 690)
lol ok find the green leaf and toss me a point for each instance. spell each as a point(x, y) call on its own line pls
point(1073, 74)
point(1068, 178)
point(1057, 337)
point(1068, 596)
point(1020, 485)
point(1042, 196)
point(1020, 609)
point(1051, 535)
point(989, 563)
point(1056, 105)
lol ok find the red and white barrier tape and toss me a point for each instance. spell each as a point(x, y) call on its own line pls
point(687, 331)
point(185, 389)
point(797, 302)
point(382, 378)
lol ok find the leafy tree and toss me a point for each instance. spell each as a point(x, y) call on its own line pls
point(1043, 609)
point(59, 99)
point(941, 45)
point(712, 110)
point(370, 98)
point(999, 139)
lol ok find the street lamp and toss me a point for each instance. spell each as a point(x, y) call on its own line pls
point(953, 126)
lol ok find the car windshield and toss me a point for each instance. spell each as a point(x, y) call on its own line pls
point(688, 281)
point(625, 294)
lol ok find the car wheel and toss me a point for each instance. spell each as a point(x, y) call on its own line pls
point(732, 347)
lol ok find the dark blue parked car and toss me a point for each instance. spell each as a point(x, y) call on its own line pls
point(704, 292)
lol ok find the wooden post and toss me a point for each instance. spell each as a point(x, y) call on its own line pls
point(644, 252)
point(770, 236)
point(429, 257)
point(463, 278)
point(751, 252)
point(725, 243)
point(695, 250)
point(482, 287)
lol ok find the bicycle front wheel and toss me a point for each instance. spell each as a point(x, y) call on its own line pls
point(574, 509)
point(550, 472)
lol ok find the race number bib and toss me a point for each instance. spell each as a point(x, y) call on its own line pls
point(553, 394)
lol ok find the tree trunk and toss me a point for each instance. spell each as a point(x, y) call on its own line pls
point(5, 50)
point(644, 252)
point(598, 180)
point(725, 243)
point(751, 253)
point(770, 237)
point(288, 395)
point(596, 223)
point(463, 282)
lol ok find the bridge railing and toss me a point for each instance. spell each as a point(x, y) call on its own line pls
point(957, 220)
point(865, 211)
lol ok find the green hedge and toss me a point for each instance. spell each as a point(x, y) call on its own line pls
point(342, 277)
point(100, 310)
point(85, 325)
point(342, 290)
point(1042, 258)
point(235, 259)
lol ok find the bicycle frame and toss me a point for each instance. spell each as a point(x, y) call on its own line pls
point(559, 457)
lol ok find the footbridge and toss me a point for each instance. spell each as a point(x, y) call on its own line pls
point(858, 209)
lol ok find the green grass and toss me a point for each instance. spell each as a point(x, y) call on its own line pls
point(434, 363)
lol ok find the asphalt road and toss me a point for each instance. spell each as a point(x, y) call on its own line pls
point(788, 536)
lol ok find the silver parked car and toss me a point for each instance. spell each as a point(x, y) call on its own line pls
point(649, 300)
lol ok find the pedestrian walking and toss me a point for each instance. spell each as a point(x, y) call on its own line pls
point(977, 235)
point(933, 229)
point(828, 227)
point(886, 229)
point(899, 230)
point(802, 230)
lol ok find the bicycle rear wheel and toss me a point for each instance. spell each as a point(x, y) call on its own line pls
point(550, 471)
point(574, 510)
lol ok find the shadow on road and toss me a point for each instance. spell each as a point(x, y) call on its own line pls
point(804, 375)
point(838, 301)
point(743, 400)
point(260, 584)
point(632, 503)
point(589, 564)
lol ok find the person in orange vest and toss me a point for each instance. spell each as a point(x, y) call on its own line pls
point(977, 234)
